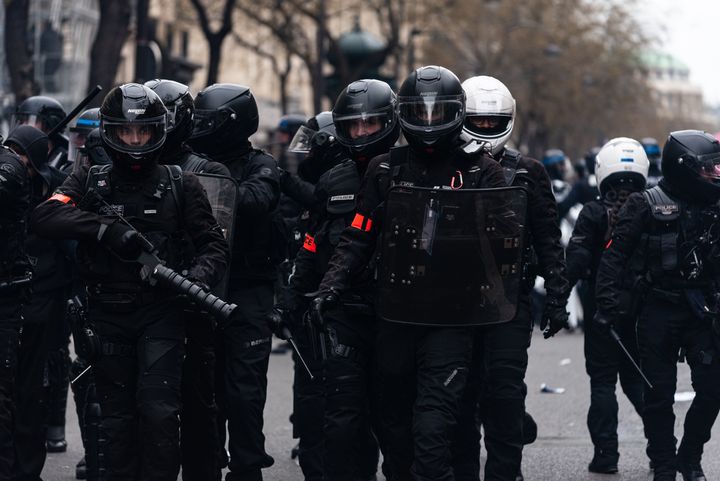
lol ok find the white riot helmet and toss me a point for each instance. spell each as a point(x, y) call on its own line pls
point(621, 161)
point(489, 98)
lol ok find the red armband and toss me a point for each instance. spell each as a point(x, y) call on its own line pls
point(62, 198)
point(309, 244)
point(361, 222)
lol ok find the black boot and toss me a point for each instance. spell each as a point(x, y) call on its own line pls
point(81, 469)
point(604, 462)
point(691, 471)
point(519, 476)
point(663, 473)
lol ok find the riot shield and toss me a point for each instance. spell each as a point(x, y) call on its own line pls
point(222, 193)
point(451, 257)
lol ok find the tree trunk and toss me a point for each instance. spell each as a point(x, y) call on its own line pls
point(214, 49)
point(113, 31)
point(19, 59)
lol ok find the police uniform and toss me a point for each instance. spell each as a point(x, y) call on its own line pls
point(138, 374)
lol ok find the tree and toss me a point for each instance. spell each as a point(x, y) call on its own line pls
point(17, 50)
point(572, 66)
point(113, 30)
point(302, 29)
point(215, 38)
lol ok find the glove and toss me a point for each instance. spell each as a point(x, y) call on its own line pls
point(554, 318)
point(323, 302)
point(122, 240)
point(603, 323)
point(277, 320)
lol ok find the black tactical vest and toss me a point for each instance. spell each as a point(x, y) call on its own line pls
point(672, 253)
point(13, 217)
point(153, 205)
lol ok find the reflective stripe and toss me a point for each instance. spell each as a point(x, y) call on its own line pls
point(62, 198)
point(309, 244)
point(607, 246)
point(361, 222)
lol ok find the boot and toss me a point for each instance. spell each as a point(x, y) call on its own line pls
point(604, 462)
point(81, 469)
point(691, 471)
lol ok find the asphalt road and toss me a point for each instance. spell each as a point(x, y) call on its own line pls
point(561, 452)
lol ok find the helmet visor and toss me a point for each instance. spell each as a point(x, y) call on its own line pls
point(27, 119)
point(431, 113)
point(707, 166)
point(137, 137)
point(487, 125)
point(207, 121)
point(357, 130)
point(302, 141)
point(76, 141)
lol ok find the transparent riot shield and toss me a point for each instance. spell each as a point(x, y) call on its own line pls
point(222, 193)
point(451, 257)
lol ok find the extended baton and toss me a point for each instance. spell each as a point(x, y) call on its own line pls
point(288, 336)
point(615, 336)
point(78, 108)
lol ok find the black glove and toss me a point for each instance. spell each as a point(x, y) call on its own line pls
point(323, 302)
point(554, 318)
point(123, 241)
point(602, 323)
point(277, 319)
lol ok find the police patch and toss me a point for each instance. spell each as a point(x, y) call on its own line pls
point(111, 210)
point(339, 198)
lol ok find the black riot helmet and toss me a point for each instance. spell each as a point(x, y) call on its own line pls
point(179, 103)
point(318, 132)
point(317, 140)
point(691, 164)
point(84, 124)
point(226, 115)
point(431, 105)
point(365, 118)
point(39, 111)
point(32, 143)
point(132, 126)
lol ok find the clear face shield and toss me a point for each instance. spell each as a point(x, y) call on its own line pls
point(28, 119)
point(432, 113)
point(134, 138)
point(706, 166)
point(364, 128)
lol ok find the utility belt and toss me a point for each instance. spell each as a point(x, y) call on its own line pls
point(125, 297)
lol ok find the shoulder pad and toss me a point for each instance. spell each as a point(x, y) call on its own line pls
point(662, 206)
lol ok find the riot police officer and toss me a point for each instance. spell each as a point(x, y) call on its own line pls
point(500, 353)
point(142, 338)
point(366, 126)
point(14, 279)
point(226, 116)
point(86, 122)
point(43, 314)
point(622, 168)
point(198, 434)
point(45, 113)
point(422, 359)
point(667, 236)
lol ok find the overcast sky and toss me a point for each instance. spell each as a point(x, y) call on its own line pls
point(690, 31)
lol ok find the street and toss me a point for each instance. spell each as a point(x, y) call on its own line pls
point(561, 452)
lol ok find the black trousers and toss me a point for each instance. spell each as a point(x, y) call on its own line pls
point(10, 320)
point(308, 408)
point(666, 325)
point(243, 353)
point(351, 448)
point(138, 386)
point(422, 377)
point(199, 443)
point(495, 398)
point(58, 370)
point(605, 363)
point(41, 322)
